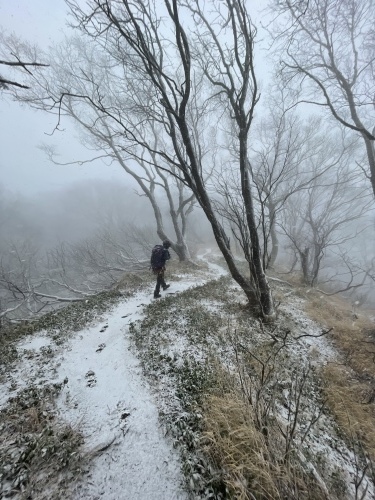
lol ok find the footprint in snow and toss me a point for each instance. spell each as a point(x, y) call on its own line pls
point(100, 347)
point(104, 328)
point(91, 379)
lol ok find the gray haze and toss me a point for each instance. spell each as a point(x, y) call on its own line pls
point(23, 167)
point(48, 204)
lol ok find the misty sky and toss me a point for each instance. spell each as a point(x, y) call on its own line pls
point(23, 167)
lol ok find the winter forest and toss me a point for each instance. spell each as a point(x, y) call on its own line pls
point(280, 167)
point(243, 127)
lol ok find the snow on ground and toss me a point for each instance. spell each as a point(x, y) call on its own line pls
point(309, 331)
point(107, 398)
point(323, 439)
point(35, 343)
point(32, 351)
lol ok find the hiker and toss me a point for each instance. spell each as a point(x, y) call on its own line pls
point(159, 257)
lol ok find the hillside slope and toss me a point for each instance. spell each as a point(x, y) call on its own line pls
point(188, 396)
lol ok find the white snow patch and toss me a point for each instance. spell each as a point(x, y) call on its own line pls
point(36, 342)
point(322, 440)
point(30, 369)
point(108, 399)
point(310, 331)
point(216, 269)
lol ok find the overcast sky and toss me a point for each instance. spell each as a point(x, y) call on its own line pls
point(23, 167)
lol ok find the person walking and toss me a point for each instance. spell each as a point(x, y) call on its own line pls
point(159, 256)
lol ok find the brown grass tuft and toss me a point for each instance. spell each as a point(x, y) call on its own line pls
point(344, 396)
point(250, 461)
point(349, 386)
point(234, 444)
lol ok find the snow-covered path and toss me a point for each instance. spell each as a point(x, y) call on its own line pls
point(107, 398)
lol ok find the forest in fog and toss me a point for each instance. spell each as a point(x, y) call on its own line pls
point(73, 243)
point(238, 135)
point(249, 129)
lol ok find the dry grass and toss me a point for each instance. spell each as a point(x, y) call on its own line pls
point(251, 461)
point(349, 386)
point(353, 333)
point(232, 448)
point(240, 451)
point(344, 397)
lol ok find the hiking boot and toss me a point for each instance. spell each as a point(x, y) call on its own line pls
point(157, 295)
point(166, 286)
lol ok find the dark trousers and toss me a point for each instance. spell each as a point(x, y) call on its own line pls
point(159, 280)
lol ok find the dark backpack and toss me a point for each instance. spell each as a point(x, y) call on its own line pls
point(157, 257)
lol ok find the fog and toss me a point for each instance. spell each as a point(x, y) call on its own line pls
point(75, 213)
point(101, 158)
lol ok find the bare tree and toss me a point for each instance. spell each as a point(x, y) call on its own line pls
point(325, 217)
point(328, 48)
point(28, 288)
point(106, 256)
point(34, 282)
point(165, 62)
point(150, 178)
point(280, 166)
point(75, 66)
point(287, 156)
point(290, 156)
point(17, 56)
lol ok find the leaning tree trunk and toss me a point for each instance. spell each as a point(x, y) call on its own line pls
point(258, 291)
point(304, 256)
point(274, 237)
point(257, 271)
point(370, 150)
